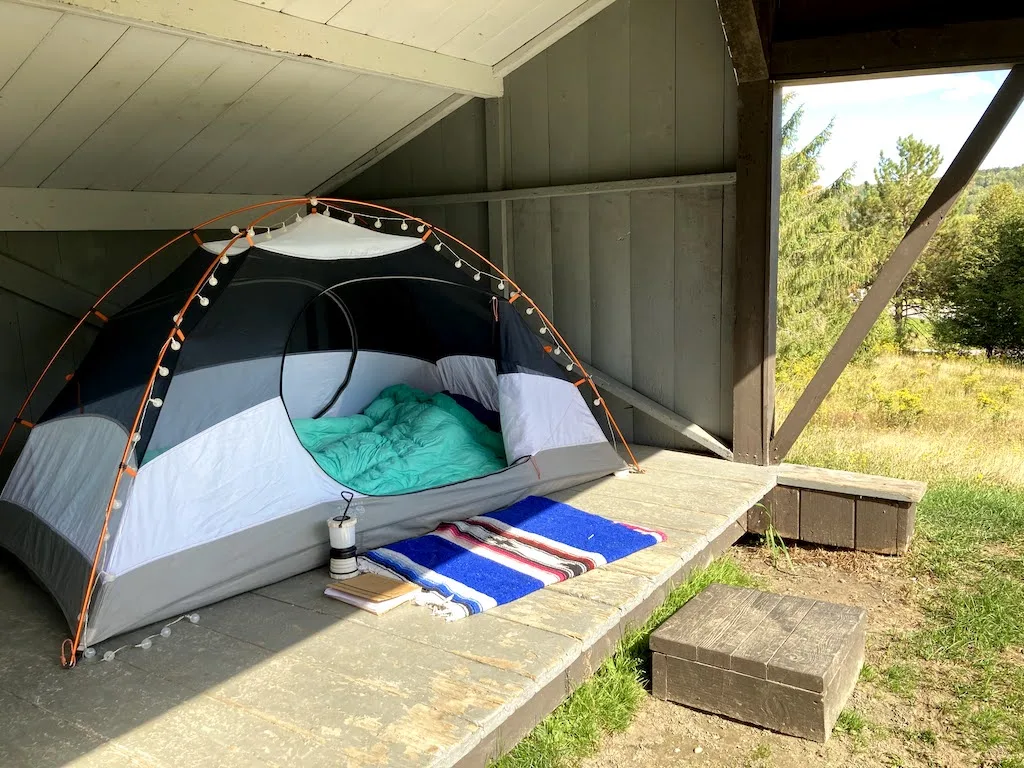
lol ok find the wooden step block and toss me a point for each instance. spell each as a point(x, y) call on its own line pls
point(784, 663)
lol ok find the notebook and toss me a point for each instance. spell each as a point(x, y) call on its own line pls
point(373, 593)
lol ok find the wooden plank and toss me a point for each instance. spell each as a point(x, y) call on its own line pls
point(744, 36)
point(728, 317)
point(677, 462)
point(700, 88)
point(496, 140)
point(124, 68)
point(827, 518)
point(22, 27)
point(652, 259)
point(291, 116)
point(879, 52)
point(524, 24)
point(719, 643)
point(155, 102)
point(712, 607)
point(785, 512)
point(570, 272)
point(558, 30)
point(37, 87)
point(651, 300)
point(752, 655)
point(809, 656)
point(748, 699)
point(876, 526)
point(569, 190)
point(895, 270)
point(233, 78)
point(850, 483)
point(698, 307)
point(756, 251)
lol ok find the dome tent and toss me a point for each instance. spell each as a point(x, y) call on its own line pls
point(167, 473)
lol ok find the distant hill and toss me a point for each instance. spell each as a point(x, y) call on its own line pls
point(990, 177)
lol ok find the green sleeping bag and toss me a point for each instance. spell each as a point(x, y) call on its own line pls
point(404, 441)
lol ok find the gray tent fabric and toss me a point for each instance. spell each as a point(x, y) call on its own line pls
point(226, 498)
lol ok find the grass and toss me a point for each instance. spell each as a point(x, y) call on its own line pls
point(607, 701)
point(960, 425)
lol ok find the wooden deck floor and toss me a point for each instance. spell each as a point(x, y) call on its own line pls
point(285, 676)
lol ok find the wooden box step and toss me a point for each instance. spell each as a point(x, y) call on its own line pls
point(784, 663)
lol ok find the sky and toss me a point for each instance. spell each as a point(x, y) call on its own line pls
point(871, 114)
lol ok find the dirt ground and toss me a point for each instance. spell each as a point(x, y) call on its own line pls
point(892, 730)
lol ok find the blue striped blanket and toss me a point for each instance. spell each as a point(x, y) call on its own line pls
point(470, 566)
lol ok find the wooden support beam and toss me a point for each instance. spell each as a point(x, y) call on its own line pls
point(743, 36)
point(568, 190)
point(967, 45)
point(37, 209)
point(898, 266)
point(757, 215)
point(655, 410)
point(264, 29)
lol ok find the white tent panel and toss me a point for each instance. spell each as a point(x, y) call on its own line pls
point(549, 413)
point(244, 471)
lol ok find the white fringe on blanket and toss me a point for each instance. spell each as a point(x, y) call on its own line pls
point(438, 604)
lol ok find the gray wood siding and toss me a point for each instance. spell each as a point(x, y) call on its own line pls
point(47, 281)
point(638, 283)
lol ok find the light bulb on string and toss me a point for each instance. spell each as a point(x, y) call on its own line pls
point(501, 285)
point(175, 345)
point(529, 310)
point(458, 263)
point(543, 329)
point(377, 224)
point(477, 277)
point(234, 229)
point(405, 225)
point(251, 232)
point(108, 656)
point(136, 437)
point(298, 218)
point(165, 632)
point(203, 301)
point(117, 504)
point(224, 259)
point(146, 644)
point(163, 370)
point(213, 280)
point(438, 246)
point(597, 401)
point(351, 218)
point(89, 654)
point(193, 618)
point(327, 211)
point(156, 402)
point(568, 367)
point(558, 350)
point(420, 229)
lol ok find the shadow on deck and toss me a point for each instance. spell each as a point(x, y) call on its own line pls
point(283, 675)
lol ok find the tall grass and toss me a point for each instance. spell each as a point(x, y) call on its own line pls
point(923, 417)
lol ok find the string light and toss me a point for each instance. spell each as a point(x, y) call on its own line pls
point(117, 504)
point(420, 228)
point(203, 301)
point(377, 224)
point(298, 218)
point(477, 277)
point(213, 280)
point(156, 402)
point(568, 367)
point(327, 211)
point(136, 437)
point(458, 263)
point(163, 370)
point(224, 259)
point(175, 345)
point(351, 218)
point(558, 350)
point(405, 225)
point(529, 310)
point(234, 229)
point(597, 401)
point(543, 330)
point(438, 247)
point(501, 285)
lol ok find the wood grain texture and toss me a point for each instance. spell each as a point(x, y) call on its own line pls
point(779, 508)
point(810, 655)
point(755, 652)
point(850, 483)
point(877, 526)
point(827, 518)
point(905, 529)
point(751, 700)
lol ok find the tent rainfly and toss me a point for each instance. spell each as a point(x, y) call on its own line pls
point(168, 472)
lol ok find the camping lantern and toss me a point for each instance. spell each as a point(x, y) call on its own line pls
point(342, 530)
